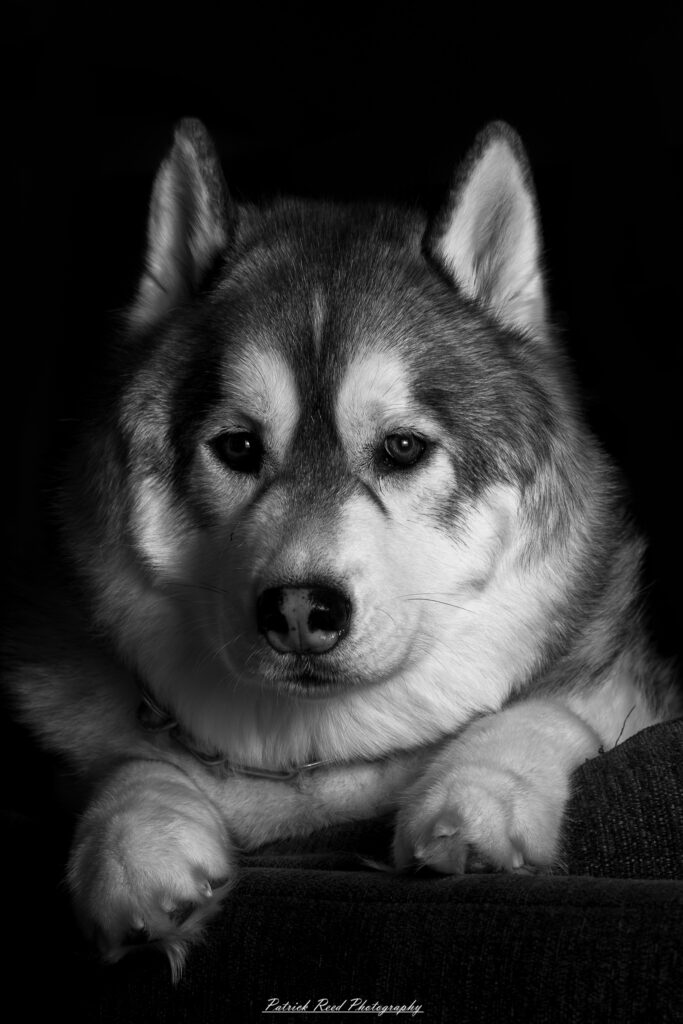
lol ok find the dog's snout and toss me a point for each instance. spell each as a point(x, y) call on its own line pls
point(303, 620)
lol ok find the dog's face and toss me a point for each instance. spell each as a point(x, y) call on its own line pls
point(332, 432)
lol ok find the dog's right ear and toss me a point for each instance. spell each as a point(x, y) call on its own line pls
point(487, 238)
point(188, 224)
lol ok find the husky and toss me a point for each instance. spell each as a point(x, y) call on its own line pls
point(338, 544)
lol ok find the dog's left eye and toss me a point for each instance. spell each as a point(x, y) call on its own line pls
point(403, 450)
point(240, 451)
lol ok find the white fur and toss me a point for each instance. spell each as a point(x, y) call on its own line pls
point(159, 526)
point(149, 846)
point(495, 796)
point(375, 399)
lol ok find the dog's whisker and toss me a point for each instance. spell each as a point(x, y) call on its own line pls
point(208, 587)
point(434, 600)
point(383, 611)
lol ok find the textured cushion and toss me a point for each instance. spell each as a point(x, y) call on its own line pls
point(625, 819)
point(478, 949)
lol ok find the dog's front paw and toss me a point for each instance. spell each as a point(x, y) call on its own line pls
point(476, 818)
point(494, 798)
point(150, 864)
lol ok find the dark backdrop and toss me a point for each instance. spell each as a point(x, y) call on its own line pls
point(342, 101)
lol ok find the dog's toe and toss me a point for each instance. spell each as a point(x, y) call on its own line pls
point(442, 847)
point(471, 831)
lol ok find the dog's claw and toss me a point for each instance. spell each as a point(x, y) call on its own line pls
point(182, 911)
point(476, 864)
point(138, 934)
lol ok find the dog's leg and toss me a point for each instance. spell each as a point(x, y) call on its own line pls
point(156, 850)
point(150, 861)
point(493, 799)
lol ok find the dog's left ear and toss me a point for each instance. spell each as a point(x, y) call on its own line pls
point(189, 217)
point(487, 238)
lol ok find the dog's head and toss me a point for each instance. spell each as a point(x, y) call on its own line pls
point(334, 434)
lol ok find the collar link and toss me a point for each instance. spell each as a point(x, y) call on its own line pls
point(154, 719)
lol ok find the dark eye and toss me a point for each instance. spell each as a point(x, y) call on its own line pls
point(240, 451)
point(403, 449)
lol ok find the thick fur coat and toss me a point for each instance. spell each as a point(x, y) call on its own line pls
point(339, 542)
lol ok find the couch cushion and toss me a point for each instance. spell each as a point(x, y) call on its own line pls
point(477, 949)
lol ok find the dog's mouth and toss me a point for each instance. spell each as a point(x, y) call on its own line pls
point(303, 675)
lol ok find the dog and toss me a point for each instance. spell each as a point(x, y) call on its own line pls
point(338, 543)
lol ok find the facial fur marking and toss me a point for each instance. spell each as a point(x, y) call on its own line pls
point(157, 526)
point(318, 314)
point(260, 385)
point(374, 497)
point(375, 397)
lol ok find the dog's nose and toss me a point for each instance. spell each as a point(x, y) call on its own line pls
point(303, 620)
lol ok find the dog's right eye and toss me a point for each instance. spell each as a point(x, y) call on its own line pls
point(241, 451)
point(403, 450)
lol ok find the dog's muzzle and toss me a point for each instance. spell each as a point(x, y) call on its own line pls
point(303, 620)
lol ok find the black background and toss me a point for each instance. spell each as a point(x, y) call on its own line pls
point(349, 102)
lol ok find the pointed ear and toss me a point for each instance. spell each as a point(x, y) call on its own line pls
point(187, 227)
point(487, 238)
